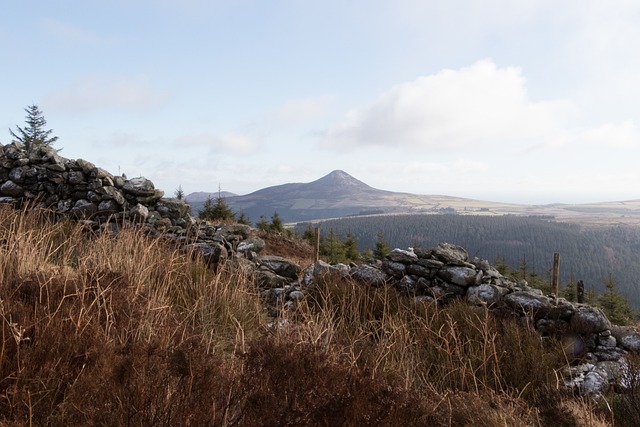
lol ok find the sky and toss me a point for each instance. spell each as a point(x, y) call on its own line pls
point(528, 101)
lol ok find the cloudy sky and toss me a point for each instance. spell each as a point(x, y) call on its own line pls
point(528, 101)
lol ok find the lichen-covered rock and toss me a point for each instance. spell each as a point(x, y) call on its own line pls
point(461, 276)
point(82, 165)
point(530, 304)
point(432, 264)
point(588, 319)
point(111, 193)
point(595, 382)
point(484, 294)
point(83, 209)
point(369, 275)
point(108, 206)
point(172, 208)
point(281, 266)
point(13, 152)
point(444, 291)
point(10, 188)
point(407, 285)
point(139, 186)
point(139, 212)
point(252, 244)
point(321, 271)
point(268, 279)
point(233, 232)
point(420, 271)
point(18, 174)
point(76, 178)
point(403, 256)
point(627, 337)
point(394, 269)
point(446, 252)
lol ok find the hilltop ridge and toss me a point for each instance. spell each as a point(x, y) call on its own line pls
point(339, 194)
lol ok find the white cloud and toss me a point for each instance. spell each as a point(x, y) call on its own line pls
point(237, 143)
point(624, 135)
point(231, 142)
point(303, 110)
point(470, 166)
point(460, 165)
point(98, 93)
point(480, 104)
point(414, 168)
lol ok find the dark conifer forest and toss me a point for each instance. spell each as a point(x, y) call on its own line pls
point(527, 244)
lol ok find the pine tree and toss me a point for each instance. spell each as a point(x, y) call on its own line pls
point(207, 209)
point(501, 265)
point(179, 193)
point(34, 134)
point(276, 225)
point(216, 211)
point(382, 247)
point(615, 305)
point(263, 224)
point(332, 248)
point(524, 267)
point(243, 219)
point(351, 247)
point(309, 234)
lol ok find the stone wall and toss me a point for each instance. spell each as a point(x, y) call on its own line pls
point(103, 202)
point(446, 272)
point(80, 189)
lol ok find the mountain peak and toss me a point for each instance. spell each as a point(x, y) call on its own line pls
point(339, 178)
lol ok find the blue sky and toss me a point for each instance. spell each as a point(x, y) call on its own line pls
point(534, 101)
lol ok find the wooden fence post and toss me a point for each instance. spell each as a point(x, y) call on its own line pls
point(580, 291)
point(317, 244)
point(556, 272)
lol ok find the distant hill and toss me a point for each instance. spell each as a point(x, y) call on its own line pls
point(339, 194)
point(335, 195)
point(202, 196)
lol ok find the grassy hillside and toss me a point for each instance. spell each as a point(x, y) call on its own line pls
point(124, 330)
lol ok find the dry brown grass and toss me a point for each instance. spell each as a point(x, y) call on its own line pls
point(125, 330)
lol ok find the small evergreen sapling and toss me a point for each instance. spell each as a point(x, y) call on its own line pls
point(34, 134)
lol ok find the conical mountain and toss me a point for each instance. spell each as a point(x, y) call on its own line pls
point(335, 194)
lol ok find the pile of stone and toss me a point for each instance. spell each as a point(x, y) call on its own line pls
point(104, 202)
point(79, 189)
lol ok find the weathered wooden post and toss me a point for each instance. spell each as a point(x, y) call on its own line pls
point(580, 291)
point(317, 245)
point(556, 272)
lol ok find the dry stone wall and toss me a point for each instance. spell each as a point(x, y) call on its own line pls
point(446, 272)
point(79, 189)
point(103, 202)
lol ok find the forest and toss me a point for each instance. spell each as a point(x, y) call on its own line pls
point(595, 255)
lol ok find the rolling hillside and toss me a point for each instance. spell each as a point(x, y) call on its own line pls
point(338, 194)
